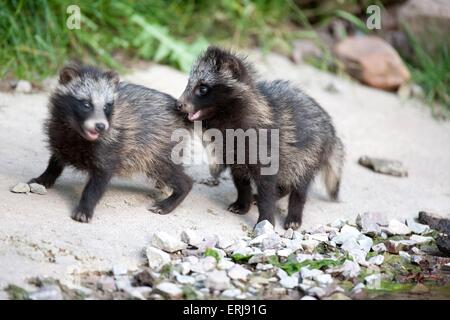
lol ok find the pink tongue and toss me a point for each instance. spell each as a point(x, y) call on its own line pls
point(194, 115)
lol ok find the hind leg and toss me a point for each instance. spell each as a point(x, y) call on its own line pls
point(180, 183)
point(297, 201)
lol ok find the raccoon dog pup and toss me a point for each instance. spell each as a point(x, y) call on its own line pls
point(106, 127)
point(222, 92)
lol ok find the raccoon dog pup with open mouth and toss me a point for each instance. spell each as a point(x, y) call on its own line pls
point(106, 127)
point(223, 93)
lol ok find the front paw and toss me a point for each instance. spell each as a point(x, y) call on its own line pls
point(81, 215)
point(293, 223)
point(239, 208)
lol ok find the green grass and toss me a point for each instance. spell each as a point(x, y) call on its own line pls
point(35, 42)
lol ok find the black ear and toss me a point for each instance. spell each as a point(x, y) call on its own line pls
point(113, 76)
point(69, 72)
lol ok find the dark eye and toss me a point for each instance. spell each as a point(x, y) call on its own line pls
point(86, 105)
point(202, 90)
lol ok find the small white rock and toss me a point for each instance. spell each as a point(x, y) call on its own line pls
point(347, 233)
point(37, 189)
point(273, 241)
point(395, 227)
point(21, 188)
point(404, 256)
point(225, 243)
point(350, 269)
point(284, 252)
point(217, 280)
point(289, 282)
point(119, 270)
point(289, 233)
point(338, 223)
point(309, 245)
point(377, 260)
point(309, 274)
point(373, 281)
point(323, 280)
point(191, 237)
point(164, 241)
point(23, 86)
point(169, 289)
point(238, 272)
point(156, 257)
point(231, 293)
point(358, 287)
point(225, 264)
point(264, 266)
point(264, 227)
point(379, 248)
point(416, 227)
point(185, 279)
point(420, 239)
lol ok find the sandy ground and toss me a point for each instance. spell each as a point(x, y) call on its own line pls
point(37, 236)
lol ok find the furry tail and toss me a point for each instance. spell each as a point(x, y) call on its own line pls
point(333, 169)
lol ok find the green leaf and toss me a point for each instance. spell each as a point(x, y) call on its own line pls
point(209, 252)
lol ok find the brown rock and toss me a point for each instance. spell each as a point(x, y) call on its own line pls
point(373, 61)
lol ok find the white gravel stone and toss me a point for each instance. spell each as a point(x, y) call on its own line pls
point(51, 292)
point(23, 86)
point(309, 245)
point(185, 268)
point(323, 280)
point(269, 252)
point(264, 266)
point(257, 258)
point(164, 241)
point(420, 239)
point(225, 243)
point(416, 259)
point(379, 248)
point(303, 256)
point(225, 264)
point(289, 282)
point(416, 227)
point(217, 280)
point(350, 269)
point(21, 188)
point(347, 233)
point(191, 237)
point(238, 272)
point(309, 274)
point(264, 227)
point(297, 236)
point(284, 252)
point(289, 233)
point(37, 189)
point(354, 250)
point(373, 281)
point(273, 241)
point(231, 293)
point(338, 223)
point(365, 243)
point(405, 256)
point(156, 257)
point(171, 290)
point(258, 239)
point(377, 260)
point(360, 286)
point(185, 279)
point(322, 237)
point(396, 227)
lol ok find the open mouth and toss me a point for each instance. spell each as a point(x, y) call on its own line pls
point(91, 135)
point(192, 116)
point(199, 114)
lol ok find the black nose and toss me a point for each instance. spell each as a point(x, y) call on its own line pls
point(100, 127)
point(179, 105)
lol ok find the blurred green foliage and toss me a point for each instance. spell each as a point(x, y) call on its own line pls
point(35, 42)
